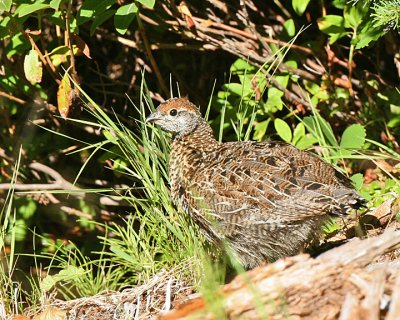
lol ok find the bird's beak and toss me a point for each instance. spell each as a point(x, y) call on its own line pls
point(153, 117)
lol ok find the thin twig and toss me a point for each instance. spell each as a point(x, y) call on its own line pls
point(156, 45)
point(247, 35)
point(151, 57)
point(12, 98)
point(41, 56)
point(59, 182)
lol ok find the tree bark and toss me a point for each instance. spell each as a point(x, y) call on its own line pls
point(348, 282)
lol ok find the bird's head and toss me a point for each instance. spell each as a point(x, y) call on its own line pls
point(176, 115)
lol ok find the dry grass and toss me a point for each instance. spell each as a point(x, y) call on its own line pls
point(161, 293)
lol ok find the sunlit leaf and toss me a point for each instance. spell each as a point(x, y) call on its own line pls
point(147, 3)
point(55, 4)
point(353, 137)
point(354, 14)
point(64, 96)
point(298, 132)
point(290, 27)
point(333, 25)
point(367, 34)
point(358, 180)
point(33, 67)
point(124, 17)
point(260, 129)
point(283, 130)
point(25, 9)
point(5, 5)
point(299, 6)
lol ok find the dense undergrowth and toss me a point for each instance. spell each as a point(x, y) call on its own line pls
point(85, 199)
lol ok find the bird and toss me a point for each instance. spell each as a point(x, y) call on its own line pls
point(260, 200)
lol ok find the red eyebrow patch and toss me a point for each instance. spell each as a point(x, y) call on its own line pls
point(178, 104)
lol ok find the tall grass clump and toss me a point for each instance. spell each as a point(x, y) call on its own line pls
point(13, 298)
point(153, 235)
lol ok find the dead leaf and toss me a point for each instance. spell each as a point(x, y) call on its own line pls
point(187, 15)
point(183, 8)
point(64, 96)
point(82, 45)
point(370, 175)
point(384, 212)
point(385, 166)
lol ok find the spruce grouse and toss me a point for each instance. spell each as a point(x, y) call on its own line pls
point(265, 200)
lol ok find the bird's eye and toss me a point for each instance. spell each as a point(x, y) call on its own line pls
point(173, 112)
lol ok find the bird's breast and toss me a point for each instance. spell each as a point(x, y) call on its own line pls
point(184, 164)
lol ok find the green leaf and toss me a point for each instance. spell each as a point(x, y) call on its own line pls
point(298, 133)
point(367, 34)
point(283, 130)
point(4, 29)
point(312, 87)
point(290, 27)
point(235, 88)
point(47, 283)
point(26, 208)
point(147, 3)
point(358, 180)
point(59, 54)
point(67, 274)
point(100, 19)
point(5, 5)
point(241, 66)
point(332, 25)
point(124, 17)
point(394, 122)
point(283, 80)
point(299, 6)
point(353, 15)
point(322, 95)
point(353, 137)
point(330, 226)
point(55, 4)
point(274, 102)
point(25, 8)
point(93, 9)
point(33, 67)
point(339, 4)
point(306, 141)
point(260, 129)
point(248, 84)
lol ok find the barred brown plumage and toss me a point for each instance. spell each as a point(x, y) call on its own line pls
point(265, 199)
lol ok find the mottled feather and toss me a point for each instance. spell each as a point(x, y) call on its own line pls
point(265, 199)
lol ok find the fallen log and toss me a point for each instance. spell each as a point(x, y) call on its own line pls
point(353, 281)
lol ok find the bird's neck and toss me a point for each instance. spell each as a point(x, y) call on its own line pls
point(200, 139)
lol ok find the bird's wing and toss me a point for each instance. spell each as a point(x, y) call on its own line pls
point(268, 183)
